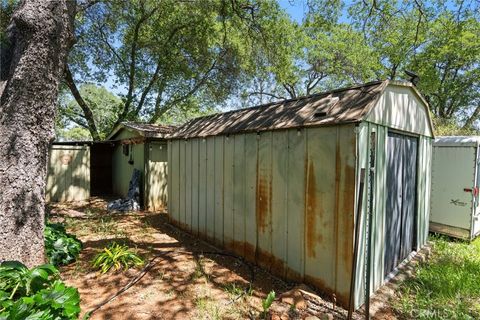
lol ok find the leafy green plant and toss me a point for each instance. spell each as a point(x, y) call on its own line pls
point(61, 247)
point(267, 302)
point(35, 293)
point(116, 257)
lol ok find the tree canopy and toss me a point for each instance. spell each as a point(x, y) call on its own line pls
point(167, 61)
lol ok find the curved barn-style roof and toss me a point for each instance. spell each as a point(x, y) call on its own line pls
point(347, 105)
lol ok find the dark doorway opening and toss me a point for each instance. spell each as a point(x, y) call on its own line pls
point(101, 169)
point(401, 210)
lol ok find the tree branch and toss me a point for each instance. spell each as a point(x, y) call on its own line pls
point(92, 127)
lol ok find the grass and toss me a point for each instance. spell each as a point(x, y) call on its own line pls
point(447, 286)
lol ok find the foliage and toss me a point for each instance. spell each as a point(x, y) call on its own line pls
point(449, 127)
point(61, 247)
point(171, 61)
point(35, 293)
point(116, 257)
point(6, 10)
point(267, 302)
point(446, 285)
point(165, 55)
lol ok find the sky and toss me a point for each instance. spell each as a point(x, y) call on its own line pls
point(296, 9)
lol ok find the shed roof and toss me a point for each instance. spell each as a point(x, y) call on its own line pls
point(457, 141)
point(339, 106)
point(147, 130)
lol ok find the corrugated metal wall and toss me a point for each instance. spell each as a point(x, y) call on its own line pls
point(284, 199)
point(379, 202)
point(68, 173)
point(156, 172)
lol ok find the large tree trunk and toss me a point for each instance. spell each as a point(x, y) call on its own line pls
point(40, 36)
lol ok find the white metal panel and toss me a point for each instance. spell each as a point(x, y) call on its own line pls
point(400, 108)
point(453, 171)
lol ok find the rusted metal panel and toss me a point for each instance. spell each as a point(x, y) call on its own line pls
point(218, 189)
point(251, 154)
point(296, 203)
point(175, 180)
point(320, 211)
point(345, 152)
point(228, 193)
point(202, 189)
point(279, 207)
point(188, 184)
point(210, 190)
point(239, 190)
point(169, 175)
point(263, 210)
point(182, 175)
point(195, 184)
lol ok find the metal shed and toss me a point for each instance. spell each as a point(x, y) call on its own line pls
point(68, 176)
point(279, 184)
point(455, 205)
point(78, 170)
point(141, 146)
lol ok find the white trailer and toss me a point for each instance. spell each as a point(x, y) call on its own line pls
point(455, 205)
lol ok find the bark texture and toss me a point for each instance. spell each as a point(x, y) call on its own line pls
point(40, 36)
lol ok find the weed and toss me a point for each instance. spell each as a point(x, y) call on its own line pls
point(116, 257)
point(207, 308)
point(233, 289)
point(104, 225)
point(445, 286)
point(267, 303)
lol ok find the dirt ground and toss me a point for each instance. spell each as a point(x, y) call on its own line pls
point(183, 283)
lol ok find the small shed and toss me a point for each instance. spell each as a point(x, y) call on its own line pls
point(141, 146)
point(455, 205)
point(280, 184)
point(68, 176)
point(78, 170)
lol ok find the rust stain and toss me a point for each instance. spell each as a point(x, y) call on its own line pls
point(327, 292)
point(229, 244)
point(250, 252)
point(264, 189)
point(293, 275)
point(347, 214)
point(277, 266)
point(239, 248)
point(311, 211)
point(263, 259)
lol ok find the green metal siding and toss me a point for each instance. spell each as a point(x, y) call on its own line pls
point(122, 170)
point(68, 177)
point(156, 172)
point(379, 203)
point(283, 199)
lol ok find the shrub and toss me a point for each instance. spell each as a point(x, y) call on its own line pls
point(116, 257)
point(61, 247)
point(35, 293)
